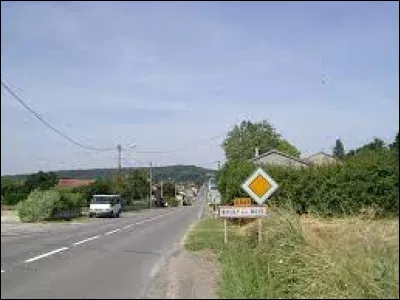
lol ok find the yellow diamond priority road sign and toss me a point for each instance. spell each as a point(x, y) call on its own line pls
point(260, 186)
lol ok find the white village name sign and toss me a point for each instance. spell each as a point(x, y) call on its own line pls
point(242, 212)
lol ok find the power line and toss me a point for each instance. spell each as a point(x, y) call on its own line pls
point(65, 136)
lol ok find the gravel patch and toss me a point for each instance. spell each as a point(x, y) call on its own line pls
point(187, 275)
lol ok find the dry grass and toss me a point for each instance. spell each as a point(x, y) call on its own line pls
point(306, 257)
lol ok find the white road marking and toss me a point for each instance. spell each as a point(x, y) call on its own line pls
point(86, 240)
point(111, 232)
point(92, 238)
point(154, 218)
point(2, 271)
point(45, 254)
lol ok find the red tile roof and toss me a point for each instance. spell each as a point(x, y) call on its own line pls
point(70, 183)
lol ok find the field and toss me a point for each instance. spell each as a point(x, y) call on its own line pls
point(305, 257)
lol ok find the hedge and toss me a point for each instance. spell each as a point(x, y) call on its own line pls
point(14, 198)
point(370, 179)
point(42, 205)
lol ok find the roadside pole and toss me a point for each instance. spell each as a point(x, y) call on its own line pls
point(151, 184)
point(225, 231)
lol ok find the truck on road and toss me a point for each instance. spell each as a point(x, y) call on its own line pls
point(105, 205)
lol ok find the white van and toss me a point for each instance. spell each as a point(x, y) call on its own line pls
point(105, 205)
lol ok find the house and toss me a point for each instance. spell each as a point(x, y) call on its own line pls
point(278, 158)
point(321, 158)
point(275, 157)
point(72, 183)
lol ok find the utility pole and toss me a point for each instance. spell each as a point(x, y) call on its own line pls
point(175, 190)
point(151, 184)
point(162, 190)
point(119, 148)
point(219, 165)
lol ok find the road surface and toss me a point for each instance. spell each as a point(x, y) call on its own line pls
point(106, 258)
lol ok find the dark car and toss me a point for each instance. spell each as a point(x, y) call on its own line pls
point(160, 202)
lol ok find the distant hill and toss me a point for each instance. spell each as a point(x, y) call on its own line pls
point(176, 173)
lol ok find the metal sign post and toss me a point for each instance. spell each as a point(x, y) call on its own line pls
point(259, 186)
point(225, 231)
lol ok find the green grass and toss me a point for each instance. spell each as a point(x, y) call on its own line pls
point(305, 258)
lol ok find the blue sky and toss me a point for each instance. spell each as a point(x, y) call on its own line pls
point(168, 75)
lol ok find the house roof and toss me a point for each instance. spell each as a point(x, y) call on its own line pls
point(282, 154)
point(320, 152)
point(67, 182)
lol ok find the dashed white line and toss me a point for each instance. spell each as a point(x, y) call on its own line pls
point(45, 254)
point(86, 240)
point(113, 231)
point(2, 271)
point(91, 238)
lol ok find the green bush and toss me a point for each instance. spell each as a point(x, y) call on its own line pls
point(369, 179)
point(72, 200)
point(38, 206)
point(14, 198)
point(173, 202)
point(12, 192)
point(41, 205)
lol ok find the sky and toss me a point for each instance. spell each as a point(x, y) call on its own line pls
point(180, 75)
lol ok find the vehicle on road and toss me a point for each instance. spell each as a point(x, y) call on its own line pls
point(160, 202)
point(105, 205)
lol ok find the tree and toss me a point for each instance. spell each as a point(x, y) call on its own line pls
point(40, 180)
point(395, 144)
point(135, 186)
point(243, 139)
point(338, 150)
point(101, 186)
point(168, 189)
point(375, 145)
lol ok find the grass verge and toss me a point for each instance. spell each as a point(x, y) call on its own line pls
point(304, 257)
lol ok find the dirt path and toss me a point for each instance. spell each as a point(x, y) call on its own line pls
point(187, 275)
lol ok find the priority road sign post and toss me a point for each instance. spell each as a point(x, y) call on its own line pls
point(260, 186)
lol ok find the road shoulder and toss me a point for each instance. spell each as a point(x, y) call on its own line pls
point(187, 275)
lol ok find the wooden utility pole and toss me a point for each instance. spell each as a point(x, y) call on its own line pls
point(119, 148)
point(151, 184)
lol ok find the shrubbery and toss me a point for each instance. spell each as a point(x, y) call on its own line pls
point(173, 202)
point(41, 205)
point(13, 191)
point(14, 198)
point(369, 179)
point(38, 206)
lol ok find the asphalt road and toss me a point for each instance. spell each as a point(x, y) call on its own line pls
point(106, 258)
